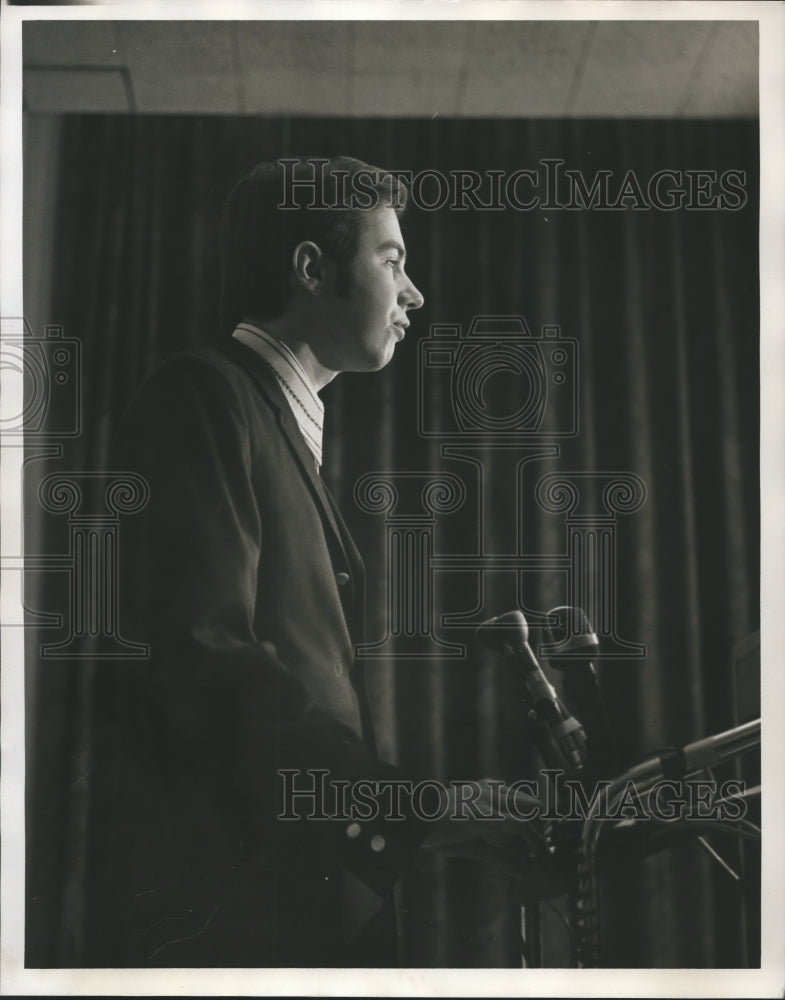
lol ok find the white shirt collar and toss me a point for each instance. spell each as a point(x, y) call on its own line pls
point(298, 388)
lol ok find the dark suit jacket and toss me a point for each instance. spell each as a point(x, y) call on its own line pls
point(243, 578)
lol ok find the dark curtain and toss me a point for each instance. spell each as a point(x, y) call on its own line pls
point(664, 307)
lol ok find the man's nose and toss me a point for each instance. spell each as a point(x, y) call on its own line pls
point(411, 296)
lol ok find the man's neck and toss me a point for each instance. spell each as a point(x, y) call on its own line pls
point(288, 334)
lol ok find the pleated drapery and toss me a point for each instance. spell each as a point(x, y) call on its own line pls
point(664, 308)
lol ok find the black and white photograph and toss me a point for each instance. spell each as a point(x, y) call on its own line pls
point(392, 476)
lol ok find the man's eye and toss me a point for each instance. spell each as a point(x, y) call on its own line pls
point(395, 261)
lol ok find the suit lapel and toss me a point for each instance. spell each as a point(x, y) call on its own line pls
point(267, 382)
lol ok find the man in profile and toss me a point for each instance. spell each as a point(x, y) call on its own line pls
point(243, 578)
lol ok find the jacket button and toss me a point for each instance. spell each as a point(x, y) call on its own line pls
point(342, 579)
point(353, 830)
point(378, 843)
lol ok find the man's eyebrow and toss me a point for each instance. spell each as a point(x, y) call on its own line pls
point(391, 245)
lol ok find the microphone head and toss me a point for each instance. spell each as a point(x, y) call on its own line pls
point(509, 629)
point(572, 638)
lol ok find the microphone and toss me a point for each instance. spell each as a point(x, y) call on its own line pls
point(572, 649)
point(561, 739)
point(573, 640)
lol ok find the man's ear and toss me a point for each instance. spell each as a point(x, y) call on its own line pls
point(309, 267)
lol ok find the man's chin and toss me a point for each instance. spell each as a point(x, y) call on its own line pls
point(382, 363)
point(374, 362)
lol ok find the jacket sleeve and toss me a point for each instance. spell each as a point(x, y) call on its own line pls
point(190, 563)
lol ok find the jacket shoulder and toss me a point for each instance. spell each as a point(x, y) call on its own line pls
point(200, 362)
point(206, 373)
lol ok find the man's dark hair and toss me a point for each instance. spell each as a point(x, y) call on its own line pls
point(278, 205)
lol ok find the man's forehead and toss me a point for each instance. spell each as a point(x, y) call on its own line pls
point(381, 230)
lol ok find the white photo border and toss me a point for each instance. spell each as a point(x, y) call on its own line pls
point(770, 979)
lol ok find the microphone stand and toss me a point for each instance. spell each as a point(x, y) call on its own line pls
point(684, 762)
point(562, 745)
point(559, 738)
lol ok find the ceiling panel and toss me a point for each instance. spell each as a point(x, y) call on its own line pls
point(521, 68)
point(396, 68)
point(640, 68)
point(407, 68)
point(298, 68)
point(70, 43)
point(62, 90)
point(726, 82)
point(180, 66)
